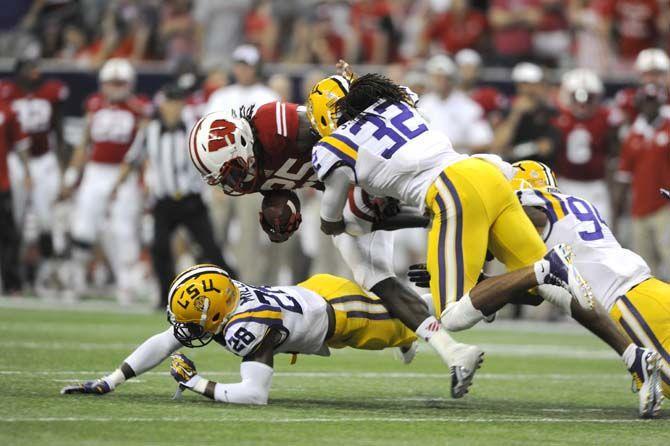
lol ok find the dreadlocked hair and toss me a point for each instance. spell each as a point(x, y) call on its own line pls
point(365, 91)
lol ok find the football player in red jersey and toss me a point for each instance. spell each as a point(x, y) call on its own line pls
point(37, 104)
point(586, 139)
point(271, 149)
point(113, 118)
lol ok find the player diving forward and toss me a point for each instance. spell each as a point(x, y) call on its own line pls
point(270, 148)
point(622, 282)
point(256, 323)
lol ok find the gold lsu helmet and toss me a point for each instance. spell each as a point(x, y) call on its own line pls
point(533, 175)
point(200, 302)
point(321, 103)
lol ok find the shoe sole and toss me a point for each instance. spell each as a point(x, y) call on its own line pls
point(651, 400)
point(584, 296)
point(459, 387)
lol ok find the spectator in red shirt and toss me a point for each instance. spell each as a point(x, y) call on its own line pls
point(490, 99)
point(645, 167)
point(458, 28)
point(513, 22)
point(372, 23)
point(636, 22)
point(551, 40)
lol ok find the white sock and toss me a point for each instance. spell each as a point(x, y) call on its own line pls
point(432, 332)
point(115, 378)
point(628, 355)
point(541, 268)
point(461, 315)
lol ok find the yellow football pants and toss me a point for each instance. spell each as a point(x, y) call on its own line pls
point(644, 315)
point(361, 320)
point(474, 209)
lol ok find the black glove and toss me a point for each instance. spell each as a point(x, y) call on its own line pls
point(418, 274)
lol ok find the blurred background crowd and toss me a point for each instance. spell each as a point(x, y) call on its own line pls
point(581, 85)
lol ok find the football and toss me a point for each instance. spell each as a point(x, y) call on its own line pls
point(278, 207)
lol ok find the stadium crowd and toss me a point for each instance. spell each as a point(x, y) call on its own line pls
point(611, 146)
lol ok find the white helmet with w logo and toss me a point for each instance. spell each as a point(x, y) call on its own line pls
point(221, 148)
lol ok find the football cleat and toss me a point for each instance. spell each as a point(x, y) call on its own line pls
point(407, 354)
point(97, 387)
point(556, 268)
point(647, 381)
point(464, 362)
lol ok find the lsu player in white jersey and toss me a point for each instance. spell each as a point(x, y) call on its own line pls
point(385, 146)
point(256, 323)
point(621, 280)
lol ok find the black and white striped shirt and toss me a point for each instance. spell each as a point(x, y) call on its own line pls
point(170, 173)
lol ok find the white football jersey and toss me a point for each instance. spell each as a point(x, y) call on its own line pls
point(299, 314)
point(391, 149)
point(610, 269)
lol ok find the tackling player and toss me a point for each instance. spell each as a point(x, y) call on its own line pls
point(113, 118)
point(387, 148)
point(271, 148)
point(621, 279)
point(256, 323)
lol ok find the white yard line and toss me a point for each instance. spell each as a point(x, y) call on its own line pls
point(344, 375)
point(325, 420)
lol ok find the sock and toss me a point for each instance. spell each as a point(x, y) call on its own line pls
point(115, 378)
point(541, 268)
point(428, 328)
point(628, 355)
point(437, 337)
point(461, 315)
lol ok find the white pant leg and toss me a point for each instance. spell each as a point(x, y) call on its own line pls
point(19, 194)
point(122, 237)
point(90, 208)
point(595, 192)
point(369, 256)
point(46, 176)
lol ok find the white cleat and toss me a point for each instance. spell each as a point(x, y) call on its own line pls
point(646, 371)
point(557, 268)
point(464, 361)
point(407, 354)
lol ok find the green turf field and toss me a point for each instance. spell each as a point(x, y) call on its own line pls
point(540, 385)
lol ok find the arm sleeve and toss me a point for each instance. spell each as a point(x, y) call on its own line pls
point(624, 173)
point(253, 389)
point(137, 152)
point(153, 351)
point(336, 193)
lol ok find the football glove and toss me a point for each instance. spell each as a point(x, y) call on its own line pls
point(665, 193)
point(97, 387)
point(182, 370)
point(278, 234)
point(418, 274)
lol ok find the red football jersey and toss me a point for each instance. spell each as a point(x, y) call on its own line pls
point(113, 126)
point(35, 111)
point(283, 165)
point(635, 22)
point(582, 154)
point(647, 158)
point(10, 132)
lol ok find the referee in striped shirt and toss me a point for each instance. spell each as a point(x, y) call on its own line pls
point(175, 187)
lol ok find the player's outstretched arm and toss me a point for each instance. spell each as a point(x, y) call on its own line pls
point(334, 199)
point(145, 357)
point(255, 370)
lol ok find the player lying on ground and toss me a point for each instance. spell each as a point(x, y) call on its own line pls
point(256, 323)
point(386, 147)
point(621, 280)
point(268, 150)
